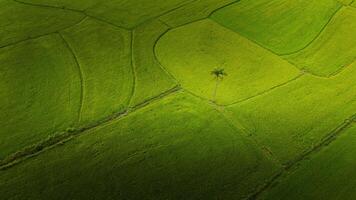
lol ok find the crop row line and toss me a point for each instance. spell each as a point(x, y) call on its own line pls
point(331, 137)
point(63, 137)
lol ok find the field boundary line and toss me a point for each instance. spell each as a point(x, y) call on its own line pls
point(222, 7)
point(81, 77)
point(43, 35)
point(268, 90)
point(292, 165)
point(143, 104)
point(63, 137)
point(133, 69)
point(105, 21)
point(164, 69)
point(282, 54)
point(269, 50)
point(48, 6)
point(241, 130)
point(341, 69)
point(200, 97)
point(240, 101)
point(169, 28)
point(239, 127)
point(317, 35)
point(83, 12)
point(163, 13)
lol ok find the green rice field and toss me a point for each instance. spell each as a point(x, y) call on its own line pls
point(177, 99)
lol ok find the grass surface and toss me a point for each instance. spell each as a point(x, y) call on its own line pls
point(39, 92)
point(323, 56)
point(174, 153)
point(283, 26)
point(205, 45)
point(346, 2)
point(196, 10)
point(151, 79)
point(115, 99)
point(126, 14)
point(20, 22)
point(303, 118)
point(329, 174)
point(104, 62)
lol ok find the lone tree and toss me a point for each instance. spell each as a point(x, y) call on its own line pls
point(218, 74)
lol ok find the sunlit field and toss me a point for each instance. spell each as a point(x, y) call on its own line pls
point(177, 99)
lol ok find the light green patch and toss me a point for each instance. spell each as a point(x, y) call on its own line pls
point(19, 22)
point(283, 26)
point(334, 49)
point(151, 79)
point(177, 148)
point(292, 119)
point(191, 52)
point(329, 174)
point(104, 58)
point(196, 10)
point(39, 92)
